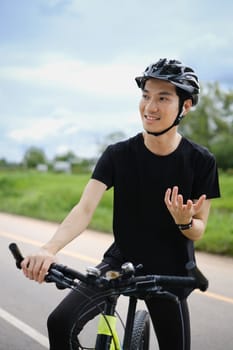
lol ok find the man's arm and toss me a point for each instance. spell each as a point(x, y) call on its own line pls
point(36, 266)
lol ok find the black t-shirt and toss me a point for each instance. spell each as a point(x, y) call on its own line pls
point(143, 228)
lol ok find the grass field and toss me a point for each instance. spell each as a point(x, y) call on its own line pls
point(50, 197)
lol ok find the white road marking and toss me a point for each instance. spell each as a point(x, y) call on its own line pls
point(23, 327)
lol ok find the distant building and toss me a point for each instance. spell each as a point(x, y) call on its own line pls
point(43, 168)
point(62, 167)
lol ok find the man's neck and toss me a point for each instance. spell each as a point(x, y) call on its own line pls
point(164, 144)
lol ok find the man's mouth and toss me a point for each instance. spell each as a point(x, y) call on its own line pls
point(150, 118)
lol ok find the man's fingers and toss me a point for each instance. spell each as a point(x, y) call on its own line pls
point(44, 269)
point(199, 203)
point(174, 195)
point(167, 197)
point(180, 201)
point(36, 267)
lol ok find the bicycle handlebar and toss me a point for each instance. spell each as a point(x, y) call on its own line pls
point(16, 254)
point(124, 283)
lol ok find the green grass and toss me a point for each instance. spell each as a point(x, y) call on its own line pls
point(51, 196)
point(218, 237)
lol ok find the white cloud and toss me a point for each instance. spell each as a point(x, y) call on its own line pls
point(38, 130)
point(62, 149)
point(59, 122)
point(64, 124)
point(108, 79)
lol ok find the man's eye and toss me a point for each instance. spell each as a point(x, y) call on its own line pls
point(163, 99)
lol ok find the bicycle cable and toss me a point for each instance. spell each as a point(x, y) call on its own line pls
point(102, 313)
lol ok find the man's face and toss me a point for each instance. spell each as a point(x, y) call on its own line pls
point(159, 105)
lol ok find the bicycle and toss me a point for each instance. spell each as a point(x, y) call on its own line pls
point(128, 283)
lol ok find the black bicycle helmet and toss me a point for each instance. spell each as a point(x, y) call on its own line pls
point(176, 73)
point(173, 71)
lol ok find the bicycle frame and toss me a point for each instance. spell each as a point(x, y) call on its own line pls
point(129, 322)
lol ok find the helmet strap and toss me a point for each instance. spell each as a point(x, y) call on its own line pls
point(176, 122)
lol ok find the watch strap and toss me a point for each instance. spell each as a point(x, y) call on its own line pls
point(185, 226)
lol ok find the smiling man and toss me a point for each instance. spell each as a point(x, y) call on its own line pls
point(163, 184)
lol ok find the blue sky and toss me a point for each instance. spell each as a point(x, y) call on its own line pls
point(67, 67)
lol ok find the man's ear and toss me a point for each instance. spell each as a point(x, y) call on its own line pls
point(187, 106)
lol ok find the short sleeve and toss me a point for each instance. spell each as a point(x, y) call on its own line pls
point(103, 170)
point(207, 179)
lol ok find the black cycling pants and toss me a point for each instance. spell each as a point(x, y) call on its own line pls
point(170, 319)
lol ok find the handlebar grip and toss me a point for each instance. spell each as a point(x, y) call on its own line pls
point(16, 254)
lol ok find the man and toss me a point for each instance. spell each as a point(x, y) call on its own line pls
point(163, 184)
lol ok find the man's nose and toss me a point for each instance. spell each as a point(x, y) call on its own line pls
point(152, 106)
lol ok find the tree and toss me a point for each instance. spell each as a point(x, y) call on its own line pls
point(109, 139)
point(210, 124)
point(223, 150)
point(3, 162)
point(69, 156)
point(34, 156)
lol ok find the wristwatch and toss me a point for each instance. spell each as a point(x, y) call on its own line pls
point(185, 226)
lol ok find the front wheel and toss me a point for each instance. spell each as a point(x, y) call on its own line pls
point(141, 331)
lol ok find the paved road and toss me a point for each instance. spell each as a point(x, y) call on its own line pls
point(25, 305)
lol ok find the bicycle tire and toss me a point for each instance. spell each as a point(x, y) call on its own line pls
point(141, 331)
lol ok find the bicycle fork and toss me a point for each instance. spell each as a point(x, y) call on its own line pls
point(107, 337)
